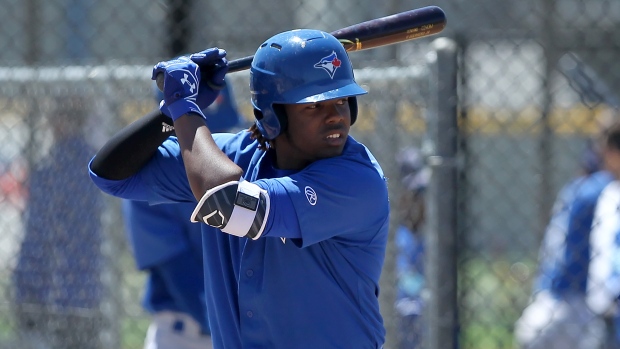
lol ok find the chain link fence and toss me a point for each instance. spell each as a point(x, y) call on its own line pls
point(502, 131)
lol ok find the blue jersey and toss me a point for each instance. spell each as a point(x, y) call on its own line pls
point(60, 259)
point(312, 279)
point(169, 246)
point(409, 264)
point(565, 256)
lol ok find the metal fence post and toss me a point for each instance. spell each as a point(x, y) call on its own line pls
point(441, 148)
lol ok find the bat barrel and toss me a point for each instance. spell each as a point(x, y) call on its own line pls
point(392, 29)
point(400, 27)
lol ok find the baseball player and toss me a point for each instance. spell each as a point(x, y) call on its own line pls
point(604, 272)
point(294, 211)
point(409, 241)
point(559, 294)
point(58, 289)
point(169, 248)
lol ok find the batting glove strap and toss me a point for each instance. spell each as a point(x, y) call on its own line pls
point(163, 108)
point(236, 208)
point(182, 107)
point(181, 86)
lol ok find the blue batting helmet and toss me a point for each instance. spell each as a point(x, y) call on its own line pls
point(299, 66)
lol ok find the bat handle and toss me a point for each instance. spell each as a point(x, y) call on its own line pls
point(236, 65)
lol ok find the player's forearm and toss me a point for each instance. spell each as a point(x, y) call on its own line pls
point(129, 149)
point(206, 165)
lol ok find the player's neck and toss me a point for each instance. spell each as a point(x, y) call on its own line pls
point(282, 161)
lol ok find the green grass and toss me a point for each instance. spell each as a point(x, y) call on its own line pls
point(493, 294)
point(133, 331)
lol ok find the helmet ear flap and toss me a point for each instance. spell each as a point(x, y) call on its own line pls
point(282, 117)
point(280, 113)
point(258, 114)
point(353, 108)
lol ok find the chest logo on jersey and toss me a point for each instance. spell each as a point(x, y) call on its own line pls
point(310, 195)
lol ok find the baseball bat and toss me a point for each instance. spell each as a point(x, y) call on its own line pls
point(393, 29)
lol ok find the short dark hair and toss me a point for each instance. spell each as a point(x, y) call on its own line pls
point(612, 136)
point(263, 143)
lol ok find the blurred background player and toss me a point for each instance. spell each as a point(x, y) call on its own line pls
point(604, 272)
point(410, 248)
point(57, 276)
point(168, 247)
point(558, 300)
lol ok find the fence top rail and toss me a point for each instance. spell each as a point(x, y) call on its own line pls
point(143, 72)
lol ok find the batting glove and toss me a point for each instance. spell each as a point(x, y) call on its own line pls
point(213, 66)
point(183, 92)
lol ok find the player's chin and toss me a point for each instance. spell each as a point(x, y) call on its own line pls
point(331, 151)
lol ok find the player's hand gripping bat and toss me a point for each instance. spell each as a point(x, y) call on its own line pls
point(400, 27)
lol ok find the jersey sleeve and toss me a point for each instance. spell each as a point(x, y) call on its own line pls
point(163, 179)
point(599, 296)
point(553, 245)
point(336, 198)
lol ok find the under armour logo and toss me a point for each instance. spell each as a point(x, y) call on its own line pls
point(214, 224)
point(191, 86)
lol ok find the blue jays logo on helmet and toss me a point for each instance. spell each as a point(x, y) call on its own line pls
point(329, 64)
